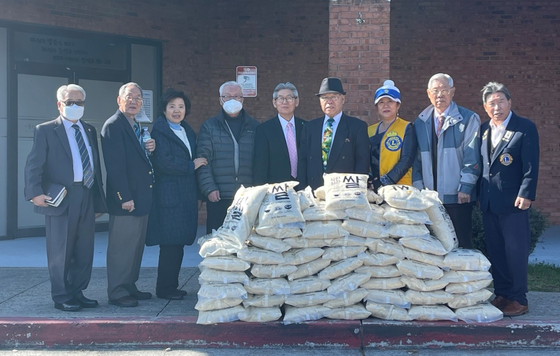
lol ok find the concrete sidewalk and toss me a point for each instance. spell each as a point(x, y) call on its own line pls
point(29, 320)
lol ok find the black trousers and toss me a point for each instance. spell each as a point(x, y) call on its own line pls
point(216, 213)
point(508, 242)
point(461, 216)
point(169, 266)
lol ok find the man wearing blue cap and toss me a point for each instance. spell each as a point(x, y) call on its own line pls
point(448, 158)
point(334, 143)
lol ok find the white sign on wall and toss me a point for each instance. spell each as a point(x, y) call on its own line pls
point(146, 114)
point(247, 78)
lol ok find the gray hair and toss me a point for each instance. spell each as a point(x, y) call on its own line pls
point(442, 77)
point(286, 85)
point(130, 84)
point(494, 87)
point(232, 83)
point(63, 91)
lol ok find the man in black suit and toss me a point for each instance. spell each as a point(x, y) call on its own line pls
point(335, 143)
point(277, 140)
point(129, 196)
point(510, 160)
point(65, 154)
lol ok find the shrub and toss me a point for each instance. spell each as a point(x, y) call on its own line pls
point(537, 221)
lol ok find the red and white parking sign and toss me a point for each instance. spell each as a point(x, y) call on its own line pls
point(247, 78)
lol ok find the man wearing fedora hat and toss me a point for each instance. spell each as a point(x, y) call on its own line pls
point(334, 143)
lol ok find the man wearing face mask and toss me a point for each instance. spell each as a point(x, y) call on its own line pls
point(226, 141)
point(65, 154)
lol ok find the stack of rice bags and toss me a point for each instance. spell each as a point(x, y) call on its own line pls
point(435, 273)
point(340, 251)
point(223, 275)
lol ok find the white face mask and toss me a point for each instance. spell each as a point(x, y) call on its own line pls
point(232, 106)
point(73, 112)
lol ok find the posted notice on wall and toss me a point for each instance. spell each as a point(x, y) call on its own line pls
point(145, 115)
point(247, 78)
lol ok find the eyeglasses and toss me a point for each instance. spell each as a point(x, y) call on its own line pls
point(132, 98)
point(229, 97)
point(287, 99)
point(73, 102)
point(329, 98)
point(442, 91)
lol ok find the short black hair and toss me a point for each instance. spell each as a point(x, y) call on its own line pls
point(171, 94)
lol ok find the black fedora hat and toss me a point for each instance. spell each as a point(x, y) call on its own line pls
point(331, 85)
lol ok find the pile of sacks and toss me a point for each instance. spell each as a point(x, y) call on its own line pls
point(341, 252)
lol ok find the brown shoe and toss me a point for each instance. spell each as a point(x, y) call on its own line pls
point(515, 309)
point(500, 302)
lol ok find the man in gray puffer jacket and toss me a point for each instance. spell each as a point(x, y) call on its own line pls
point(226, 141)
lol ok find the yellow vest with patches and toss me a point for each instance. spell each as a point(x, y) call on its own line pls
point(390, 150)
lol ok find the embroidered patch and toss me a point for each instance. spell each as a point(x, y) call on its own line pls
point(506, 159)
point(393, 142)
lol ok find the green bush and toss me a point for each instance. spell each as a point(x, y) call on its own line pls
point(537, 220)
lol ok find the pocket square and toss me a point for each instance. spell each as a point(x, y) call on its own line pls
point(347, 139)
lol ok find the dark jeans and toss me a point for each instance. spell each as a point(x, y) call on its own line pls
point(216, 213)
point(461, 215)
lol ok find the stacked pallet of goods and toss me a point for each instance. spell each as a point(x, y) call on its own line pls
point(341, 252)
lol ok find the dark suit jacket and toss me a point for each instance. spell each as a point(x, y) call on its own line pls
point(349, 151)
point(271, 160)
point(174, 215)
point(50, 161)
point(129, 173)
point(512, 171)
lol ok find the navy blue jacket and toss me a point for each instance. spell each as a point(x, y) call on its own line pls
point(129, 173)
point(512, 171)
point(174, 216)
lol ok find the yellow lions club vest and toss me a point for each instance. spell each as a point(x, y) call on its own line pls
point(390, 150)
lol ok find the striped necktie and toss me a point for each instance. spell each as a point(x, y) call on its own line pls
point(84, 156)
point(327, 141)
point(137, 131)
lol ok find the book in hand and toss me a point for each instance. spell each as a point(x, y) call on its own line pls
point(57, 192)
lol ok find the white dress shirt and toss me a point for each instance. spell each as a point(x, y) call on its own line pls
point(76, 158)
point(499, 130)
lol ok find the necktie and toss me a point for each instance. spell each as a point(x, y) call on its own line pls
point(137, 132)
point(84, 156)
point(441, 119)
point(327, 141)
point(292, 148)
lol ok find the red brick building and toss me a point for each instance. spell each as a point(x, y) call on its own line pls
point(195, 45)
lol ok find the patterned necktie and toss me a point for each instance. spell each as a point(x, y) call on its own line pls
point(292, 148)
point(327, 141)
point(441, 119)
point(137, 131)
point(84, 156)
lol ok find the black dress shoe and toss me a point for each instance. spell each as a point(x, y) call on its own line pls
point(71, 305)
point(126, 301)
point(174, 295)
point(141, 295)
point(182, 292)
point(87, 303)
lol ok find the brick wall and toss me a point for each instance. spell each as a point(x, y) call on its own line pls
point(359, 51)
point(513, 42)
point(203, 42)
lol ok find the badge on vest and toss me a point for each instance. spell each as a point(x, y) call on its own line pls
point(393, 142)
point(506, 159)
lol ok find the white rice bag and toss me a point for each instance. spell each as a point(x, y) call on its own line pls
point(347, 298)
point(431, 313)
point(260, 315)
point(298, 315)
point(268, 286)
point(272, 271)
point(353, 312)
point(404, 197)
point(225, 263)
point(419, 270)
point(387, 311)
point(219, 316)
point(267, 243)
point(308, 285)
point(324, 230)
point(345, 190)
point(466, 260)
point(364, 229)
point(340, 268)
point(309, 269)
point(260, 256)
point(308, 299)
point(301, 256)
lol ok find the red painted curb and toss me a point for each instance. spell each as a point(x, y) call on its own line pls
point(185, 333)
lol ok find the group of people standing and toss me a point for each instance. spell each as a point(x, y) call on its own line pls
point(153, 194)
